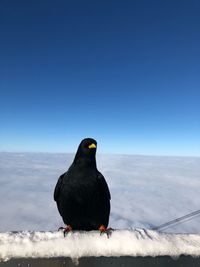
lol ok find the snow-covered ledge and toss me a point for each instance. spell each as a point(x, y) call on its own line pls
point(137, 242)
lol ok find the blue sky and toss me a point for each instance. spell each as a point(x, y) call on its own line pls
point(123, 72)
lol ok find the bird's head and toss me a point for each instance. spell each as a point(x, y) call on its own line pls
point(86, 150)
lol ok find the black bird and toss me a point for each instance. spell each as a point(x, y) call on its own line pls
point(82, 194)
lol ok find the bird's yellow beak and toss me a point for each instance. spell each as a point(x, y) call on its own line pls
point(92, 146)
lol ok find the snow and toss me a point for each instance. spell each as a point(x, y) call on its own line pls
point(146, 190)
point(136, 242)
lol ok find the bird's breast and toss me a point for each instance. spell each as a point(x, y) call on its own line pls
point(80, 187)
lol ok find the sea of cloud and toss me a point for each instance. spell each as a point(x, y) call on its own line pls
point(146, 190)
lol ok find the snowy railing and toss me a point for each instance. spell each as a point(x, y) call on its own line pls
point(138, 242)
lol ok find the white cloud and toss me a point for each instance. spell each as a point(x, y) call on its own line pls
point(146, 191)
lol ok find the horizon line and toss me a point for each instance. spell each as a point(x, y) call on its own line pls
point(103, 153)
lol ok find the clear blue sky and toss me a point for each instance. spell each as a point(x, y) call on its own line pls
point(126, 73)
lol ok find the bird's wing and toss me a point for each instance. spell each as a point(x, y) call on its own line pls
point(103, 184)
point(58, 186)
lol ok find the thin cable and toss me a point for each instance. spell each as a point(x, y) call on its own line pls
point(178, 220)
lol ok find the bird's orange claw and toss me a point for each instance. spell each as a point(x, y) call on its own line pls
point(66, 229)
point(107, 231)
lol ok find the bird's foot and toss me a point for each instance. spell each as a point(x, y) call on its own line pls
point(65, 230)
point(107, 231)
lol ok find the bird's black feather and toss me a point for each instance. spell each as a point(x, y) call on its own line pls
point(82, 194)
point(103, 185)
point(58, 187)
